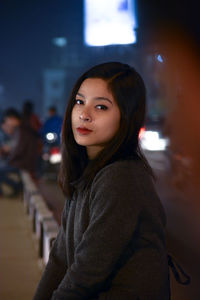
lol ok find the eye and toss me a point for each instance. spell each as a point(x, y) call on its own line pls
point(79, 101)
point(101, 107)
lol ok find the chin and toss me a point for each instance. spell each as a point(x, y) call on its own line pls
point(82, 143)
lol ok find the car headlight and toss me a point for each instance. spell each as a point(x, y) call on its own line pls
point(152, 141)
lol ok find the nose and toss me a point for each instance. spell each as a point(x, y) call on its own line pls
point(85, 116)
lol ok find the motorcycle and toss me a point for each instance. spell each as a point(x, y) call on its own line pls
point(51, 156)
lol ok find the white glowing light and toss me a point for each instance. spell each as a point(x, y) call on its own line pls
point(55, 158)
point(51, 136)
point(151, 141)
point(109, 22)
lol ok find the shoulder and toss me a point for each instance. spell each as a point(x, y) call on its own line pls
point(123, 171)
point(127, 178)
point(129, 184)
point(27, 134)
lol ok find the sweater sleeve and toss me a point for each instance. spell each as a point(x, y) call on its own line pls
point(115, 205)
point(56, 266)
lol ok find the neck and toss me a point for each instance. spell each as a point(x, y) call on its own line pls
point(93, 151)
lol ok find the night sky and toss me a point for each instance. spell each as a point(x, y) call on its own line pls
point(27, 28)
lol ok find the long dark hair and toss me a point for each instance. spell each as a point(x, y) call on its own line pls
point(129, 91)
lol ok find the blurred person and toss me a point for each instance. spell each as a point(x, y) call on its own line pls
point(6, 140)
point(29, 117)
point(22, 152)
point(111, 244)
point(52, 124)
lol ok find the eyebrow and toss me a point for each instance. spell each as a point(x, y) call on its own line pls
point(96, 98)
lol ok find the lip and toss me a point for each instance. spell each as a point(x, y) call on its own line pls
point(83, 130)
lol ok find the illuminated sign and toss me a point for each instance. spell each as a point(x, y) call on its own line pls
point(109, 22)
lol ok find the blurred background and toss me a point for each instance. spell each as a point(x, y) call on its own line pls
point(46, 45)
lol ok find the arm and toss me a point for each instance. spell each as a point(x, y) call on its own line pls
point(114, 212)
point(56, 266)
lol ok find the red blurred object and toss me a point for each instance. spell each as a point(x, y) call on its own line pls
point(141, 133)
point(54, 150)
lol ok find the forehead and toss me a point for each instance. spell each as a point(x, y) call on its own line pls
point(95, 86)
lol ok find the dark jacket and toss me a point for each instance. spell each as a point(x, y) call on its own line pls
point(111, 243)
point(25, 151)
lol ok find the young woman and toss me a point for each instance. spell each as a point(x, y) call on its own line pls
point(111, 243)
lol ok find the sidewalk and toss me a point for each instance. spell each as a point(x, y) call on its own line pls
point(19, 267)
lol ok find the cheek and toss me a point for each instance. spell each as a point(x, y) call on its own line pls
point(116, 119)
point(116, 125)
point(112, 125)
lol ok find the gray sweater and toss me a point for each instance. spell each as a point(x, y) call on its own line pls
point(111, 243)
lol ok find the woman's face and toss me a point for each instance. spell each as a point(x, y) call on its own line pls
point(95, 116)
